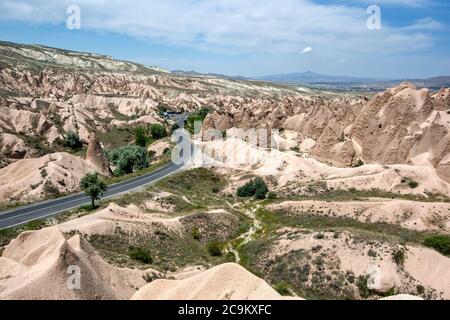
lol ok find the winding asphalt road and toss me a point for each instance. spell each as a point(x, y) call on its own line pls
point(46, 209)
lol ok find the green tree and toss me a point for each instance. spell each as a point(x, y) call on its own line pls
point(140, 137)
point(157, 131)
point(72, 141)
point(256, 187)
point(94, 186)
point(174, 127)
point(128, 159)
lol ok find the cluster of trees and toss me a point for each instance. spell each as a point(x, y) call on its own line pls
point(72, 140)
point(199, 116)
point(129, 159)
point(144, 136)
point(255, 188)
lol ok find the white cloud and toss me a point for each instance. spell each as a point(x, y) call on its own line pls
point(233, 26)
point(426, 24)
point(307, 50)
point(399, 3)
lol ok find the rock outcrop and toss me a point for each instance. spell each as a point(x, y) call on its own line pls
point(402, 125)
point(228, 281)
point(96, 156)
point(44, 265)
point(47, 176)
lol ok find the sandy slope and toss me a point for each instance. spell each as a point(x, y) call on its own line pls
point(422, 265)
point(228, 281)
point(26, 179)
point(34, 266)
point(421, 216)
point(292, 169)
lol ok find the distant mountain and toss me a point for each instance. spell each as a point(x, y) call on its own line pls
point(212, 75)
point(312, 77)
point(327, 81)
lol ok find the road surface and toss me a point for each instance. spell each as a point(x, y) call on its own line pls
point(46, 209)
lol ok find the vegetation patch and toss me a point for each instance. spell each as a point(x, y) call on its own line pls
point(441, 243)
point(255, 188)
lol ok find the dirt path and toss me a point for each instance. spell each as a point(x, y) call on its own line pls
point(248, 236)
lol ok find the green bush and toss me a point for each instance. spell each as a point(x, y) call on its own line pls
point(216, 189)
point(140, 254)
point(72, 141)
point(174, 127)
point(196, 234)
point(283, 288)
point(413, 184)
point(140, 137)
point(272, 195)
point(256, 187)
point(157, 131)
point(214, 249)
point(410, 182)
point(441, 243)
point(129, 159)
point(399, 257)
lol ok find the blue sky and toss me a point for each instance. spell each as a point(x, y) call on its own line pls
point(250, 38)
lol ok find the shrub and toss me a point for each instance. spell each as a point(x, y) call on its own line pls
point(174, 127)
point(361, 283)
point(140, 254)
point(50, 189)
point(256, 187)
point(129, 159)
point(140, 137)
point(215, 190)
point(399, 257)
point(272, 195)
point(44, 173)
point(358, 164)
point(157, 131)
point(196, 234)
point(72, 141)
point(214, 249)
point(283, 288)
point(413, 184)
point(410, 182)
point(441, 243)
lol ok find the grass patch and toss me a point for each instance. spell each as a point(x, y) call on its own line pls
point(141, 254)
point(370, 231)
point(169, 251)
point(317, 191)
point(441, 243)
point(198, 185)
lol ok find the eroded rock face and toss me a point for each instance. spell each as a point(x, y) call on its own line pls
point(36, 264)
point(402, 125)
point(96, 156)
point(228, 281)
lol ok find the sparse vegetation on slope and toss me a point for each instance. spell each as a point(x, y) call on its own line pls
point(439, 242)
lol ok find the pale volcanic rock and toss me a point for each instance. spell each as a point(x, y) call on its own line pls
point(228, 281)
point(420, 216)
point(13, 147)
point(29, 179)
point(394, 127)
point(96, 156)
point(35, 266)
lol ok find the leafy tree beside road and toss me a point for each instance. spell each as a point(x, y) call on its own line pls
point(129, 159)
point(94, 186)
